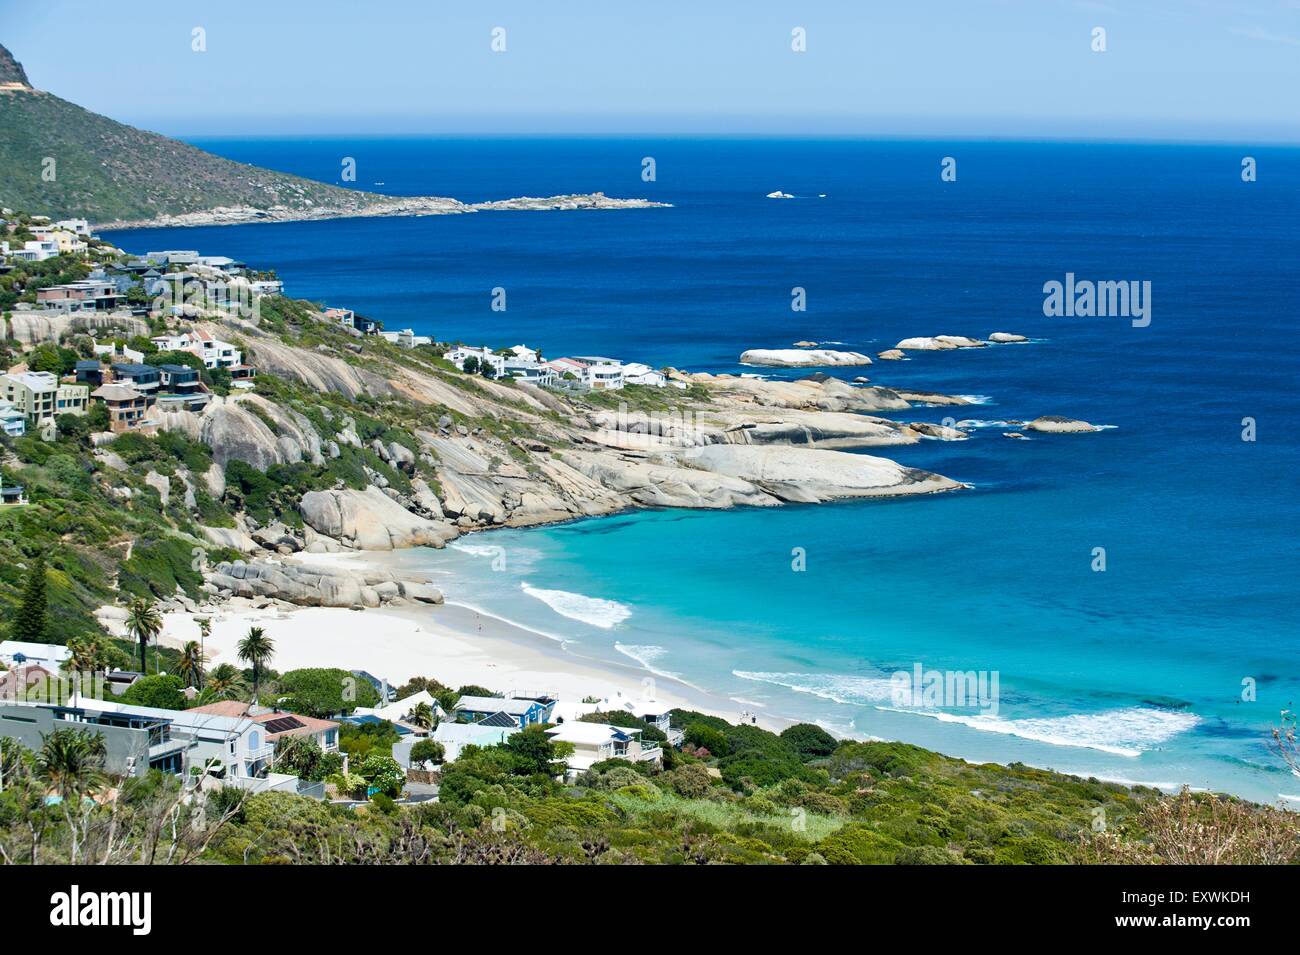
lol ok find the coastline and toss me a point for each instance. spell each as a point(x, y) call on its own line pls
point(453, 643)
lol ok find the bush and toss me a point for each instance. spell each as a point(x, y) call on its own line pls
point(700, 735)
point(162, 691)
point(809, 741)
point(692, 781)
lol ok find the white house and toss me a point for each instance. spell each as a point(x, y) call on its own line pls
point(601, 374)
point(399, 710)
point(594, 742)
point(635, 373)
point(212, 351)
point(482, 354)
point(406, 338)
point(51, 656)
point(454, 737)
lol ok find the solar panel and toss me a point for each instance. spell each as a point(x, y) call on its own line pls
point(283, 724)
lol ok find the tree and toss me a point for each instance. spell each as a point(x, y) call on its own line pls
point(422, 716)
point(71, 763)
point(535, 752)
point(428, 751)
point(190, 666)
point(809, 741)
point(162, 690)
point(143, 623)
point(31, 622)
point(90, 654)
point(471, 365)
point(701, 735)
point(385, 774)
point(223, 683)
point(256, 649)
point(326, 691)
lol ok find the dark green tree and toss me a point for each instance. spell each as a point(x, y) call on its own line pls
point(31, 622)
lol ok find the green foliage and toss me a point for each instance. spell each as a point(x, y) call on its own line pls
point(30, 623)
point(427, 750)
point(359, 742)
point(384, 773)
point(325, 692)
point(809, 741)
point(157, 567)
point(166, 692)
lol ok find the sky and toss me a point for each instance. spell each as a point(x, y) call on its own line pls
point(1171, 69)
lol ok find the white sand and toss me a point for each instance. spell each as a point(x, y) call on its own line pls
point(454, 645)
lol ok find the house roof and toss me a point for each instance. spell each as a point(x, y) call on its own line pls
point(114, 392)
point(493, 704)
point(35, 651)
point(591, 734)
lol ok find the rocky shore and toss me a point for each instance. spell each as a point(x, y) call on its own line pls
point(395, 206)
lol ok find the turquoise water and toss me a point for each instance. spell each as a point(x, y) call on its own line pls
point(1138, 672)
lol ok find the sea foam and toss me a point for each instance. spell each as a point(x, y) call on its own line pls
point(854, 690)
point(594, 611)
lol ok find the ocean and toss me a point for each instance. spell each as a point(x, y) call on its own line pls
point(1168, 667)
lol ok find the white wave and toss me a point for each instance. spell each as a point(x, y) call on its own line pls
point(1128, 732)
point(978, 399)
point(852, 690)
point(558, 638)
point(477, 550)
point(967, 424)
point(646, 655)
point(595, 611)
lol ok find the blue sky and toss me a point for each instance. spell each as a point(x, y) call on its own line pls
point(1180, 69)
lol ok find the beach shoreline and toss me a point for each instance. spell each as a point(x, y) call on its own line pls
point(453, 643)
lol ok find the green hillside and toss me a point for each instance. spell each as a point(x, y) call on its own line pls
point(106, 171)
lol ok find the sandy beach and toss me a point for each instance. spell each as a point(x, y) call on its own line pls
point(456, 645)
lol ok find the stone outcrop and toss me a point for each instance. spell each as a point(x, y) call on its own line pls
point(370, 520)
point(1055, 424)
point(1007, 338)
point(311, 585)
point(939, 343)
point(802, 357)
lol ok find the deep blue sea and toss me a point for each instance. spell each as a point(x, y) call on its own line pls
point(1169, 667)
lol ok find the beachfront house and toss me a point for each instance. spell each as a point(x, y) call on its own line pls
point(400, 711)
point(635, 373)
point(406, 338)
point(277, 723)
point(481, 354)
point(498, 711)
point(454, 737)
point(350, 321)
point(84, 296)
point(595, 742)
point(599, 373)
point(213, 352)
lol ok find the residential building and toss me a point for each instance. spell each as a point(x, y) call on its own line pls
point(567, 366)
point(77, 226)
point(406, 338)
point(278, 724)
point(601, 374)
point(182, 388)
point(594, 742)
point(135, 741)
point(454, 737)
point(521, 712)
point(482, 354)
point(143, 378)
point(84, 296)
point(212, 351)
point(400, 710)
point(635, 373)
point(68, 242)
point(13, 422)
point(91, 372)
point(52, 656)
point(41, 396)
point(37, 250)
point(128, 409)
point(174, 257)
point(267, 287)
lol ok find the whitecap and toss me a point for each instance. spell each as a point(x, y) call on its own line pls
point(595, 611)
point(1126, 732)
point(646, 655)
point(838, 688)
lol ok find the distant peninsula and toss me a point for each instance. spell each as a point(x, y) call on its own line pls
point(69, 161)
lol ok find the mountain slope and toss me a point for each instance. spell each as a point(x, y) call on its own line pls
point(106, 171)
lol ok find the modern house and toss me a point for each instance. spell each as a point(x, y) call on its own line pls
point(135, 740)
point(90, 372)
point(601, 374)
point(143, 378)
point(213, 352)
point(594, 742)
point(41, 396)
point(406, 338)
point(635, 373)
point(496, 710)
point(454, 737)
point(85, 296)
point(128, 409)
point(182, 388)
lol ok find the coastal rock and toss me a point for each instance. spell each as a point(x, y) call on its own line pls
point(215, 478)
point(229, 537)
point(939, 343)
point(801, 358)
point(814, 475)
point(805, 344)
point(303, 585)
point(369, 520)
point(830, 394)
point(236, 434)
point(891, 354)
point(160, 483)
point(938, 431)
point(933, 398)
point(1055, 424)
point(1007, 338)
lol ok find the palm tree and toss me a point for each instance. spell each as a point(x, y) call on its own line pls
point(256, 649)
point(190, 666)
point(89, 654)
point(71, 763)
point(422, 716)
point(144, 623)
point(222, 682)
